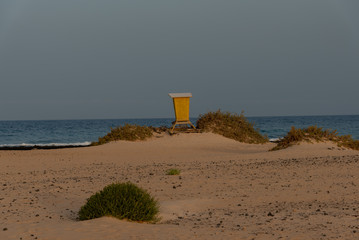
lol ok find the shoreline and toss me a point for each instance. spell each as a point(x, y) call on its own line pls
point(40, 147)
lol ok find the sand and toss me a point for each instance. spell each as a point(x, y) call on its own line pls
point(226, 190)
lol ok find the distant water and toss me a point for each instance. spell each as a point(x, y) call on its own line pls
point(83, 132)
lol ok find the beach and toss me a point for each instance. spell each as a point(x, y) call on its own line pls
point(226, 190)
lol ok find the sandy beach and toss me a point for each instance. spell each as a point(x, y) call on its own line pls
point(226, 190)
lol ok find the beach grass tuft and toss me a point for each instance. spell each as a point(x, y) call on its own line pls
point(231, 125)
point(127, 132)
point(318, 134)
point(173, 171)
point(122, 201)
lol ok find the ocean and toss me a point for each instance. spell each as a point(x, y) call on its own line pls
point(63, 133)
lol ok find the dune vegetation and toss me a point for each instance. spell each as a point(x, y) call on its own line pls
point(314, 133)
point(227, 124)
point(122, 201)
point(230, 125)
point(233, 126)
point(173, 171)
point(127, 132)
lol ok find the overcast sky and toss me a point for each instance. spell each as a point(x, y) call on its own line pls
point(119, 59)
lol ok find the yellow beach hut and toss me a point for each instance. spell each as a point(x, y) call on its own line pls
point(181, 108)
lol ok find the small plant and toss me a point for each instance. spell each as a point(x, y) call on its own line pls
point(123, 201)
point(128, 132)
point(173, 171)
point(296, 135)
point(230, 125)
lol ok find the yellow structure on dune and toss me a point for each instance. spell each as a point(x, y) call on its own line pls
point(181, 107)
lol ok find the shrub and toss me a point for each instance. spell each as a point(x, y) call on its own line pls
point(123, 201)
point(296, 135)
point(230, 125)
point(127, 132)
point(173, 171)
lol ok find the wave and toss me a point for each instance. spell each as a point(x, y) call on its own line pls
point(46, 144)
point(274, 139)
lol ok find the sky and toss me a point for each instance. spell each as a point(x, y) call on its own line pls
point(88, 59)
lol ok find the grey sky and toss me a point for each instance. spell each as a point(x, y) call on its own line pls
point(118, 59)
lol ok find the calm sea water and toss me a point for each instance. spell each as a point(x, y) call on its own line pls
point(83, 132)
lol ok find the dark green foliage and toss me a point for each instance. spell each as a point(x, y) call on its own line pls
point(232, 126)
point(296, 135)
point(173, 171)
point(128, 132)
point(123, 201)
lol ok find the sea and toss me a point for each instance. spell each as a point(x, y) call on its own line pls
point(70, 133)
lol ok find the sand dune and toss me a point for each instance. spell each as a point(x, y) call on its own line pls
point(226, 190)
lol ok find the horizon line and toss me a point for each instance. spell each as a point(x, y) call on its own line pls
point(134, 118)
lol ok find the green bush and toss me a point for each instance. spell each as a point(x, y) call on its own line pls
point(128, 132)
point(297, 135)
point(173, 171)
point(230, 125)
point(123, 201)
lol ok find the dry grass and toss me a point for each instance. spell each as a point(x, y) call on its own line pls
point(127, 132)
point(230, 125)
point(297, 135)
